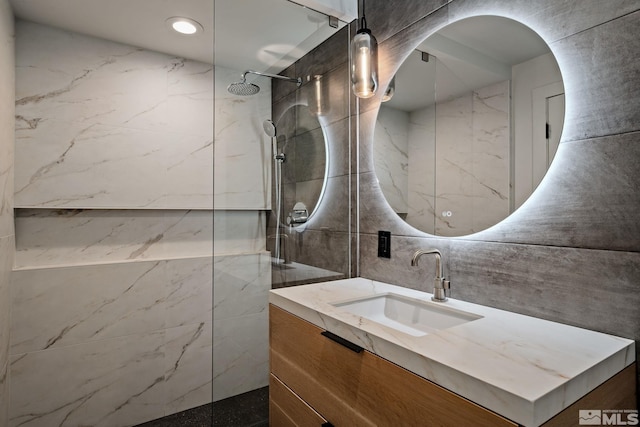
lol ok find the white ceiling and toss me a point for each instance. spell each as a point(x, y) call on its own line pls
point(135, 22)
point(265, 35)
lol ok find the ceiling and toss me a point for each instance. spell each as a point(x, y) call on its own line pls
point(264, 35)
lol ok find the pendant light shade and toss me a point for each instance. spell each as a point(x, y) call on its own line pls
point(364, 61)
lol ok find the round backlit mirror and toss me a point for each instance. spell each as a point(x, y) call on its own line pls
point(300, 165)
point(469, 126)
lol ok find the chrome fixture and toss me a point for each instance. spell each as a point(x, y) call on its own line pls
point(243, 88)
point(278, 158)
point(364, 61)
point(440, 285)
point(299, 215)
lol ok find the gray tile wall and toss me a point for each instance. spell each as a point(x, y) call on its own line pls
point(323, 242)
point(571, 254)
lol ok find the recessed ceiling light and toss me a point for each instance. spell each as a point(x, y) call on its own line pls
point(184, 25)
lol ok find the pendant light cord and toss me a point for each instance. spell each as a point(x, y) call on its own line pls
point(363, 20)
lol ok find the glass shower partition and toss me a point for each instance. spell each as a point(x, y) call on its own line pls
point(281, 177)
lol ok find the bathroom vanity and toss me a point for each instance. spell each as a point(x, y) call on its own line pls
point(358, 352)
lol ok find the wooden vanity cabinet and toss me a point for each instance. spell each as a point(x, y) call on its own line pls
point(318, 380)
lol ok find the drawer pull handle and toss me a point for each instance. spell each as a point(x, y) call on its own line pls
point(351, 346)
point(327, 424)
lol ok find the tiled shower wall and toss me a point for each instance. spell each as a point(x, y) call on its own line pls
point(571, 252)
point(242, 268)
point(7, 85)
point(111, 291)
point(324, 241)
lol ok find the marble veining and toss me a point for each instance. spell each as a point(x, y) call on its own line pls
point(132, 342)
point(524, 368)
point(188, 369)
point(51, 237)
point(106, 383)
point(242, 171)
point(97, 124)
point(240, 327)
point(109, 300)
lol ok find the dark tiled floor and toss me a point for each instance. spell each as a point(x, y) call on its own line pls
point(245, 410)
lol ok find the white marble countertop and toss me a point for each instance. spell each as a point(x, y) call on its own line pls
point(524, 368)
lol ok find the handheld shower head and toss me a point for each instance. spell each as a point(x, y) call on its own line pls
point(269, 128)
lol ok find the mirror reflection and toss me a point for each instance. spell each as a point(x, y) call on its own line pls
point(300, 164)
point(469, 126)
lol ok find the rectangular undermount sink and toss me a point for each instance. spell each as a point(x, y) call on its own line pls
point(412, 316)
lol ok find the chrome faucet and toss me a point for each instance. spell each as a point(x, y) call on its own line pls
point(440, 285)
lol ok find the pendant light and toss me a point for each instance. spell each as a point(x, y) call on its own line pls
point(364, 61)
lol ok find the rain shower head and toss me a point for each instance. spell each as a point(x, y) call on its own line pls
point(243, 88)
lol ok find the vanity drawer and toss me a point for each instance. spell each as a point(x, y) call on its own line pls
point(286, 409)
point(351, 388)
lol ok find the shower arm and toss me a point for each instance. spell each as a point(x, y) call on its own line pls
point(298, 80)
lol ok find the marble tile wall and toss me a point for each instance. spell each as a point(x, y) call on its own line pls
point(105, 125)
point(571, 252)
point(242, 172)
point(61, 237)
point(7, 86)
point(121, 343)
point(112, 283)
point(240, 323)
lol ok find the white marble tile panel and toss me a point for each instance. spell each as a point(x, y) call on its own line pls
point(71, 237)
point(186, 179)
point(242, 151)
point(190, 97)
point(241, 285)
point(6, 261)
point(240, 355)
point(73, 165)
point(64, 306)
point(188, 368)
point(239, 232)
point(101, 125)
point(73, 77)
point(240, 327)
point(189, 291)
point(110, 383)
